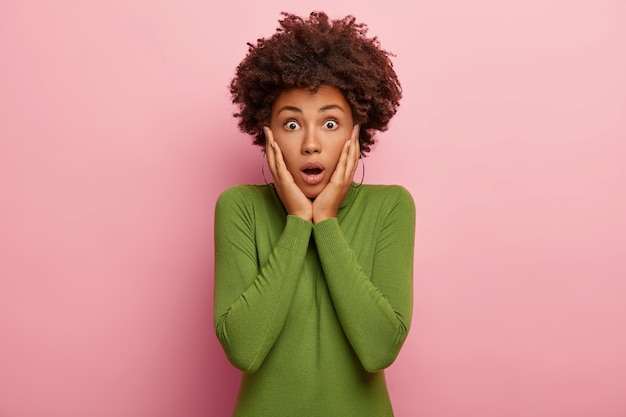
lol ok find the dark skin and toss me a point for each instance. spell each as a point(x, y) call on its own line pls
point(311, 134)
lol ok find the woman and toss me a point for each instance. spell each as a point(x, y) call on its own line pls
point(313, 273)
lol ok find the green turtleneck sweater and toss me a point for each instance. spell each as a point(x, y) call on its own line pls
point(313, 313)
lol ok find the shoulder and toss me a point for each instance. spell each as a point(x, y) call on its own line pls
point(392, 194)
point(389, 201)
point(243, 193)
point(244, 199)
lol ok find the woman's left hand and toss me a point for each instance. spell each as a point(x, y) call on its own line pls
point(327, 203)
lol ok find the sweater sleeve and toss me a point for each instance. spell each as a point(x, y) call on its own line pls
point(374, 311)
point(251, 301)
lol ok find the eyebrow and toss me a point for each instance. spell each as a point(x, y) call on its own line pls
point(322, 109)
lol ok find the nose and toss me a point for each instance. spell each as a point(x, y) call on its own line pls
point(311, 143)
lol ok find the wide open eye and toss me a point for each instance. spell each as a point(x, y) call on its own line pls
point(291, 125)
point(331, 124)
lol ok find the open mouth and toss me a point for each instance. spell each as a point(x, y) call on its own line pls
point(312, 171)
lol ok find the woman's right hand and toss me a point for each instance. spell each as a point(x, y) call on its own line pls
point(294, 200)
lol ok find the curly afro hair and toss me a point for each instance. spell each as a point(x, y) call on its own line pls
point(307, 54)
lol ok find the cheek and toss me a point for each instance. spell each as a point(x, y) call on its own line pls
point(289, 151)
point(336, 151)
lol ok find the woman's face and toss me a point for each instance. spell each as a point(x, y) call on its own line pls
point(311, 129)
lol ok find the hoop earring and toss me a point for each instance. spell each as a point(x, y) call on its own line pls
point(263, 171)
point(362, 173)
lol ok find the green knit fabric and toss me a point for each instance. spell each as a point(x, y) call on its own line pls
point(313, 313)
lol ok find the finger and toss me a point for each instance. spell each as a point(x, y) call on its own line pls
point(281, 166)
point(353, 154)
point(269, 150)
point(278, 165)
point(340, 168)
point(275, 156)
point(357, 146)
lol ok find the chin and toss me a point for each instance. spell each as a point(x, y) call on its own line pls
point(312, 192)
point(311, 196)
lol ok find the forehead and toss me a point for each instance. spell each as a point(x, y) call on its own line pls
point(307, 100)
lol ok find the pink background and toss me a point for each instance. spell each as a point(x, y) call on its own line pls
point(116, 138)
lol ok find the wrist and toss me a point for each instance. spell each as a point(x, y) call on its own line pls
point(306, 216)
point(320, 217)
